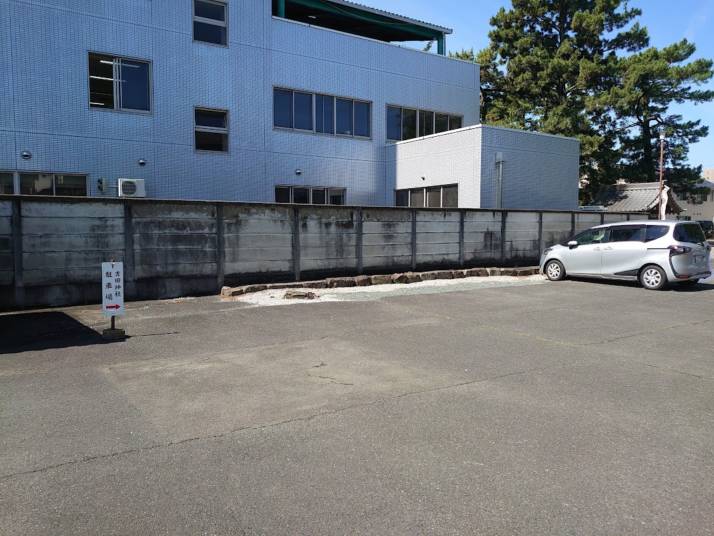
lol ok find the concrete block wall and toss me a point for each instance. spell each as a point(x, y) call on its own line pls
point(437, 238)
point(482, 236)
point(386, 238)
point(52, 248)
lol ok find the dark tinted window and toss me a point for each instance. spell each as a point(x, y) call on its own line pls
point(629, 233)
point(282, 194)
point(210, 10)
point(433, 197)
point(337, 197)
point(450, 197)
point(6, 183)
point(211, 141)
point(402, 198)
point(442, 122)
point(303, 110)
point(36, 184)
point(135, 85)
point(591, 236)
point(689, 232)
point(344, 117)
point(101, 81)
point(653, 232)
point(210, 118)
point(301, 195)
point(455, 122)
point(209, 33)
point(71, 185)
point(362, 119)
point(426, 123)
point(325, 114)
point(319, 196)
point(409, 124)
point(209, 24)
point(394, 123)
point(416, 198)
point(283, 108)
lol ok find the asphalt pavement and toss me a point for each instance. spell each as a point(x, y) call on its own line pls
point(544, 408)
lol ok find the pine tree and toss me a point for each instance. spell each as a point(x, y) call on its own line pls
point(649, 83)
point(556, 58)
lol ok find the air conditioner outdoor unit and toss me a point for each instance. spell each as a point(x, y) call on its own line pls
point(132, 188)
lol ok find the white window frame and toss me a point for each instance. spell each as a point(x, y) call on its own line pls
point(116, 74)
point(214, 22)
point(211, 130)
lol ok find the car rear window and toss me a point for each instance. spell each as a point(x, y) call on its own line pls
point(655, 231)
point(689, 232)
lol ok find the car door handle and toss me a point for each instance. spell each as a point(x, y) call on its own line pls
point(607, 249)
point(596, 248)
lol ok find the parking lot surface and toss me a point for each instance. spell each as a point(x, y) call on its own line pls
point(539, 408)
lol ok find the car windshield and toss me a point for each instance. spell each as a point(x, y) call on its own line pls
point(689, 232)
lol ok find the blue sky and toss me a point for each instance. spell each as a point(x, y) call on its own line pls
point(667, 22)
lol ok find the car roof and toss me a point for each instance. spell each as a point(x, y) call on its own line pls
point(668, 223)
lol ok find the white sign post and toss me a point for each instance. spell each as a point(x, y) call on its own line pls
point(113, 295)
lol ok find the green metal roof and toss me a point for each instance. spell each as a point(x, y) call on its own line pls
point(350, 17)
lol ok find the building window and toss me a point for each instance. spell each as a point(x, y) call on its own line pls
point(323, 114)
point(309, 195)
point(6, 183)
point(408, 123)
point(53, 184)
point(119, 83)
point(210, 24)
point(431, 197)
point(211, 129)
point(302, 105)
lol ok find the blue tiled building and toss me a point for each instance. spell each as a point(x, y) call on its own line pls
point(247, 100)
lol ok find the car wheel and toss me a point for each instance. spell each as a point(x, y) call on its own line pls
point(653, 277)
point(554, 270)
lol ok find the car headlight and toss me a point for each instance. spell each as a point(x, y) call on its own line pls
point(547, 250)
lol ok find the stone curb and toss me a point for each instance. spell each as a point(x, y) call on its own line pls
point(402, 278)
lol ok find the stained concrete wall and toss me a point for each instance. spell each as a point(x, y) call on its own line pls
point(51, 248)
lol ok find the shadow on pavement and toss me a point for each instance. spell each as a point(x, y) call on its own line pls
point(42, 331)
point(676, 287)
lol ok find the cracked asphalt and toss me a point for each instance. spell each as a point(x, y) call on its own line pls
point(559, 408)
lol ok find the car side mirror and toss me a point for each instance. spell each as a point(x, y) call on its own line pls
point(573, 244)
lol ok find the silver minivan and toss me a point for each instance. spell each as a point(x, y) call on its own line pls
point(654, 253)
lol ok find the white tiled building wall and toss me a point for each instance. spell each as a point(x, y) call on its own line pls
point(539, 171)
point(44, 98)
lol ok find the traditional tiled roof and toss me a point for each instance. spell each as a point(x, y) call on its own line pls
point(633, 197)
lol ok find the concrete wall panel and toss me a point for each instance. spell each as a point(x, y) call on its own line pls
point(437, 237)
point(386, 238)
point(522, 236)
point(172, 240)
point(482, 236)
point(556, 228)
point(328, 239)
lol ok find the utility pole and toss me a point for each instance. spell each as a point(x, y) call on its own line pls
point(661, 170)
